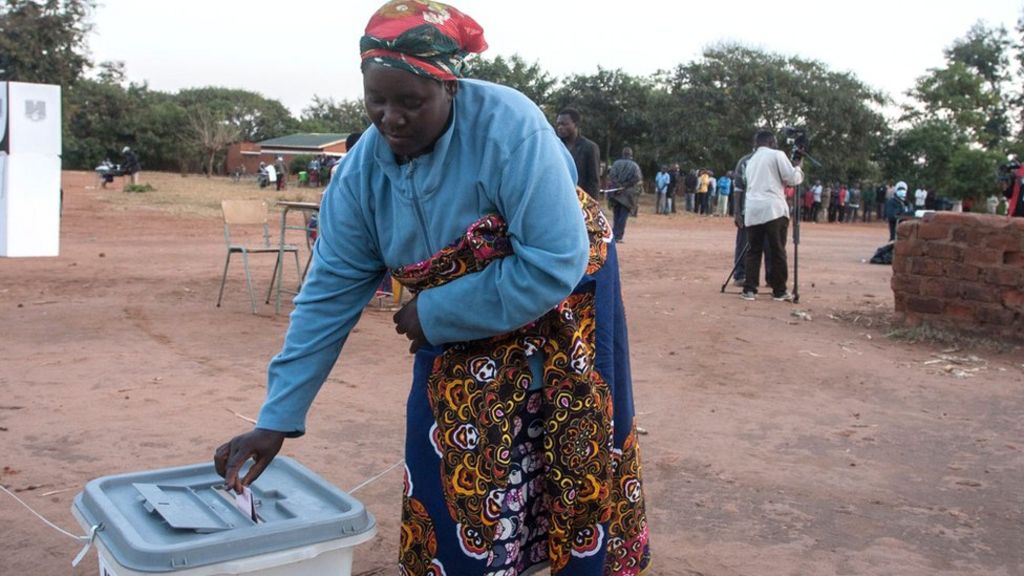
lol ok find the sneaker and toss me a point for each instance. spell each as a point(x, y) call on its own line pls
point(748, 295)
point(784, 297)
point(739, 282)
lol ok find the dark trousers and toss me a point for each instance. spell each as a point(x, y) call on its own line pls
point(739, 258)
point(892, 229)
point(702, 203)
point(774, 234)
point(620, 214)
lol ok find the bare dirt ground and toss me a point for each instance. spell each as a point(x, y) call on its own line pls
point(776, 445)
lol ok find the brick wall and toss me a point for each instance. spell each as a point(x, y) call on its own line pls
point(961, 271)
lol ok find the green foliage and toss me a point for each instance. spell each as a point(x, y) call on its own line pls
point(972, 173)
point(711, 109)
point(614, 108)
point(299, 163)
point(966, 113)
point(530, 79)
point(44, 41)
point(325, 115)
point(139, 188)
point(959, 125)
point(256, 118)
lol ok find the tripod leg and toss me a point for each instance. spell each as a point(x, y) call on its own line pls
point(796, 255)
point(736, 264)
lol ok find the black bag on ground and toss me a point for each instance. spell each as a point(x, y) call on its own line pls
point(884, 254)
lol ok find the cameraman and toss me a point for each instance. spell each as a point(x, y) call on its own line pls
point(766, 216)
point(1011, 182)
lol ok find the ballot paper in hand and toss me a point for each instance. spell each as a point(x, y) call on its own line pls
point(246, 504)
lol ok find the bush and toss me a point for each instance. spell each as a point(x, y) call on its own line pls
point(138, 188)
point(299, 163)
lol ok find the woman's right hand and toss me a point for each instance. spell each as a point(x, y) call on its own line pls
point(259, 444)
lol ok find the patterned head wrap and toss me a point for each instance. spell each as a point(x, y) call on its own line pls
point(423, 37)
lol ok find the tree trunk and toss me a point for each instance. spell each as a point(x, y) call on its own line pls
point(209, 165)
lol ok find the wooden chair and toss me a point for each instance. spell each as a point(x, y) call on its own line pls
point(242, 220)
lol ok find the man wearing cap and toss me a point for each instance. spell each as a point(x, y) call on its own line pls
point(897, 208)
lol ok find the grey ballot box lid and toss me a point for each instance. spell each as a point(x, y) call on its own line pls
point(177, 518)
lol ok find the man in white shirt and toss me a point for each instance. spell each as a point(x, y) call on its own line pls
point(767, 214)
point(920, 198)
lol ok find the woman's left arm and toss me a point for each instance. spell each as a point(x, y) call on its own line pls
point(536, 197)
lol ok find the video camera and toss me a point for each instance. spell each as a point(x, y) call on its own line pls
point(797, 140)
point(1008, 171)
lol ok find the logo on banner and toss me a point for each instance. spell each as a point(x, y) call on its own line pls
point(35, 110)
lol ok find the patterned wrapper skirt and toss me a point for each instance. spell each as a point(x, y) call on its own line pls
point(521, 450)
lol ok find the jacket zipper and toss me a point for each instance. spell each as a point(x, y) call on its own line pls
point(420, 218)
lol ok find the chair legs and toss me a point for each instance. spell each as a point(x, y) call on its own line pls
point(248, 281)
point(273, 278)
point(248, 277)
point(223, 279)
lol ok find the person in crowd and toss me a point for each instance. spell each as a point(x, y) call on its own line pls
point(130, 164)
point(661, 182)
point(881, 195)
point(920, 198)
point(724, 190)
point(852, 203)
point(691, 182)
point(701, 197)
point(867, 204)
point(624, 177)
point(833, 202)
point(897, 208)
point(712, 198)
point(585, 153)
point(520, 444)
point(271, 173)
point(816, 195)
point(673, 186)
point(766, 216)
point(282, 172)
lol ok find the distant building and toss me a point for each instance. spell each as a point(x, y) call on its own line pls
point(250, 154)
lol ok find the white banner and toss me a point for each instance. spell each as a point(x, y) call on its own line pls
point(33, 119)
point(30, 210)
point(3, 117)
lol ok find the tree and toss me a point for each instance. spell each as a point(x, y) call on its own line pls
point(325, 115)
point(710, 109)
point(973, 173)
point(968, 91)
point(514, 72)
point(210, 133)
point(959, 125)
point(614, 106)
point(97, 117)
point(257, 118)
point(44, 42)
point(922, 154)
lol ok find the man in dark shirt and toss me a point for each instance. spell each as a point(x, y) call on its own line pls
point(584, 151)
point(624, 176)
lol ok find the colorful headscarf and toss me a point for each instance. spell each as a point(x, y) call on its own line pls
point(426, 38)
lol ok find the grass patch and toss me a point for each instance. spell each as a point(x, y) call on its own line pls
point(139, 188)
point(950, 338)
point(198, 196)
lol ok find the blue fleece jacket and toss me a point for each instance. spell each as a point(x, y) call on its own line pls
point(499, 155)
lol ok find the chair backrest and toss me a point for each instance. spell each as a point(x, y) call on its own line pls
point(245, 213)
